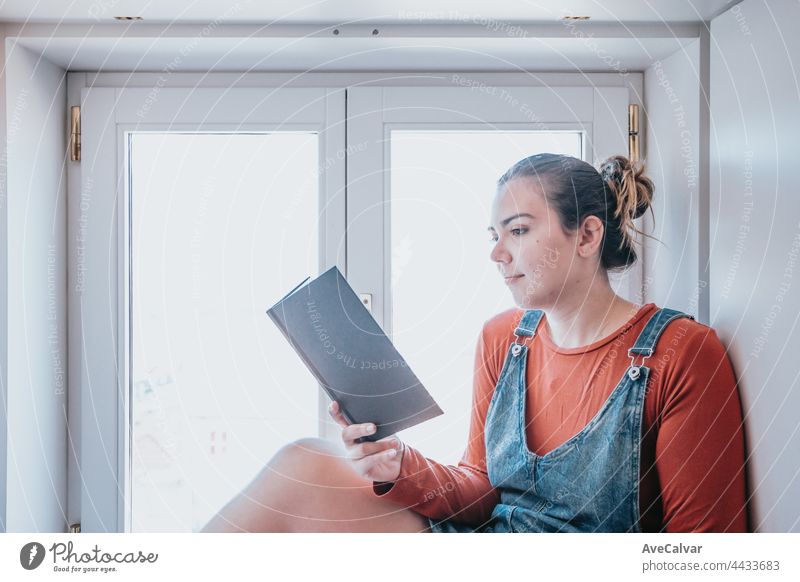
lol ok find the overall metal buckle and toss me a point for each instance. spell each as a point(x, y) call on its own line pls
point(517, 347)
point(634, 371)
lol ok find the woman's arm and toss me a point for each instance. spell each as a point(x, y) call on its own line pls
point(463, 491)
point(700, 442)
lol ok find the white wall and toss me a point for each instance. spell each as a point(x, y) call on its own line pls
point(3, 287)
point(672, 118)
point(35, 375)
point(755, 239)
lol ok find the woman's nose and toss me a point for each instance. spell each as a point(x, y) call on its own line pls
point(499, 254)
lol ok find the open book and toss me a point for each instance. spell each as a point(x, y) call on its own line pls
point(350, 356)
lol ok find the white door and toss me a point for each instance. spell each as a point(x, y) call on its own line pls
point(198, 209)
point(422, 168)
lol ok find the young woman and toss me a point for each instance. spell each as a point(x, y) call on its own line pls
point(590, 413)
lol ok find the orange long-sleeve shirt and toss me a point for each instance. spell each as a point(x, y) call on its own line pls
point(692, 452)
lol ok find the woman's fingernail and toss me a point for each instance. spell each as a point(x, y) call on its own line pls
point(370, 429)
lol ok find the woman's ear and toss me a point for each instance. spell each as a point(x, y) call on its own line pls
point(590, 237)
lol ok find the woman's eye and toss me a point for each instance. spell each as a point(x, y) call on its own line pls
point(515, 231)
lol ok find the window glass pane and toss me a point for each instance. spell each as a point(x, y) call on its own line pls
point(443, 284)
point(221, 226)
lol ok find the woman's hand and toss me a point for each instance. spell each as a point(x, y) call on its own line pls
point(379, 460)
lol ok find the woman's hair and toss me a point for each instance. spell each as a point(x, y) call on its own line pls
point(617, 194)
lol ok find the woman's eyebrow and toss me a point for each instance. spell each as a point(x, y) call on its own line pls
point(510, 218)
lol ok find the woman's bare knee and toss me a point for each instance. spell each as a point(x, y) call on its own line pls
point(328, 494)
point(308, 485)
point(259, 506)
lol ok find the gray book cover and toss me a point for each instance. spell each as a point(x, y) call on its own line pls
point(350, 356)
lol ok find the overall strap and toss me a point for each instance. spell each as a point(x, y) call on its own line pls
point(526, 328)
point(645, 344)
point(529, 322)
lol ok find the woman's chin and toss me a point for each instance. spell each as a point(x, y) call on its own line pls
point(527, 301)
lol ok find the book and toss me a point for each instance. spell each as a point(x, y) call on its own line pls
point(351, 357)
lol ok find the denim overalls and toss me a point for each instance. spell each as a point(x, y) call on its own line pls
point(590, 483)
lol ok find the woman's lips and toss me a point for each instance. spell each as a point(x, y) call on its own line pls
point(512, 278)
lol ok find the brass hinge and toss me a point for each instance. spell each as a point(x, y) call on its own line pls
point(75, 133)
point(633, 132)
point(75, 528)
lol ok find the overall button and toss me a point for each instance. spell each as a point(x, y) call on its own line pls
point(634, 372)
point(516, 349)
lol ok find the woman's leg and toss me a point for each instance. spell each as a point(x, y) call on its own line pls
point(309, 486)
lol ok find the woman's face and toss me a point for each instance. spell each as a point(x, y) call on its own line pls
point(532, 252)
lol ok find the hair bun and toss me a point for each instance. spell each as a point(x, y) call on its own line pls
point(632, 189)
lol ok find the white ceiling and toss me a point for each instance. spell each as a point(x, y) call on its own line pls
point(355, 54)
point(372, 11)
point(371, 35)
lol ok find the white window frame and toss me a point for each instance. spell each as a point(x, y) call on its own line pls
point(374, 112)
point(103, 356)
point(99, 505)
